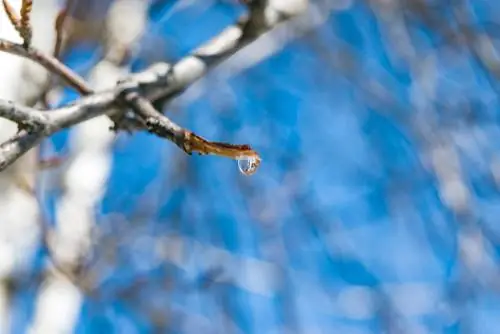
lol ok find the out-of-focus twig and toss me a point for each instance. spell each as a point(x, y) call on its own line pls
point(59, 27)
point(22, 22)
point(50, 63)
point(12, 15)
point(25, 28)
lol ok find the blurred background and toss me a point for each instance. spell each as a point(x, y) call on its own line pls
point(373, 210)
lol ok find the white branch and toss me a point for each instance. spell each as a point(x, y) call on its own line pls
point(161, 81)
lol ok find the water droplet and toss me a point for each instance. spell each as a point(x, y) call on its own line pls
point(248, 164)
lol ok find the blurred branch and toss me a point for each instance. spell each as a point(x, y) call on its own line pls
point(59, 27)
point(25, 29)
point(160, 81)
point(21, 23)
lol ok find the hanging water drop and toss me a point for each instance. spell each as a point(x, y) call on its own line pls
point(248, 164)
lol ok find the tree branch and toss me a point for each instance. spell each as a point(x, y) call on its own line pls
point(160, 81)
point(48, 62)
point(22, 115)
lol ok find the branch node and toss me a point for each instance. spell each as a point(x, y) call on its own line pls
point(30, 127)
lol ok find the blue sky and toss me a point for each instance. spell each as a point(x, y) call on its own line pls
point(343, 229)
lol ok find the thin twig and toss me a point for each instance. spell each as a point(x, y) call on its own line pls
point(50, 63)
point(188, 141)
point(12, 15)
point(22, 22)
point(25, 23)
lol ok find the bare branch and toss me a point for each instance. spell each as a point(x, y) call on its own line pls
point(160, 81)
point(264, 15)
point(59, 26)
point(55, 120)
point(31, 119)
point(25, 24)
point(12, 15)
point(188, 141)
point(21, 23)
point(50, 63)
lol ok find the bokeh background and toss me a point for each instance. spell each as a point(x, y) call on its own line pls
point(374, 209)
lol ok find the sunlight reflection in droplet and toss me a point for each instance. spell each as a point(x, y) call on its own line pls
point(248, 164)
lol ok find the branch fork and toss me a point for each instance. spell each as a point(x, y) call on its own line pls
point(134, 96)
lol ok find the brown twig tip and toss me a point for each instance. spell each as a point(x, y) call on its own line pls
point(248, 159)
point(145, 88)
point(202, 146)
point(25, 29)
point(22, 24)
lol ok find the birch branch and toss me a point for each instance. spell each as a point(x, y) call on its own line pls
point(160, 81)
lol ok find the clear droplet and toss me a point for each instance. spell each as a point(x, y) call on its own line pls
point(248, 164)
